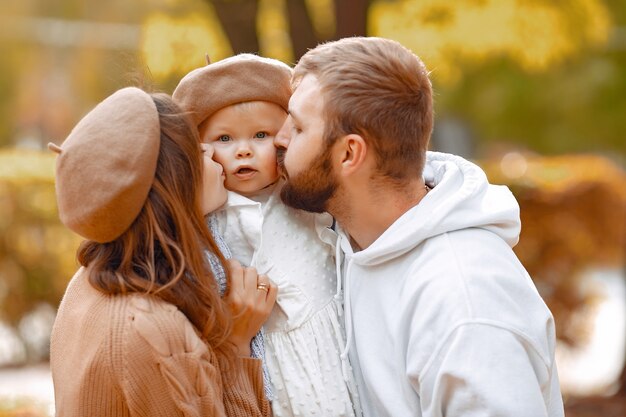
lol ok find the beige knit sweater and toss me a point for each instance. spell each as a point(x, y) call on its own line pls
point(136, 355)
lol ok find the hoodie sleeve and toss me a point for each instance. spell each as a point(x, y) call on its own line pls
point(485, 369)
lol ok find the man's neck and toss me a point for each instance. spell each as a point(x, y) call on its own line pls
point(366, 213)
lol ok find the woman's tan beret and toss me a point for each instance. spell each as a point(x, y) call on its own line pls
point(106, 166)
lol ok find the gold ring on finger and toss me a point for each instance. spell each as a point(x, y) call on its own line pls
point(263, 287)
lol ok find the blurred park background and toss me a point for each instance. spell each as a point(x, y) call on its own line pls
point(532, 90)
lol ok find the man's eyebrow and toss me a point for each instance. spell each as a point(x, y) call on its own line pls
point(293, 115)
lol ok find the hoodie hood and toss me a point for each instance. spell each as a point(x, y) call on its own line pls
point(460, 198)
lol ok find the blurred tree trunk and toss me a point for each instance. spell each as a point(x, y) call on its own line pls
point(351, 18)
point(238, 18)
point(300, 28)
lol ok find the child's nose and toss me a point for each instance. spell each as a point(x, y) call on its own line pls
point(244, 151)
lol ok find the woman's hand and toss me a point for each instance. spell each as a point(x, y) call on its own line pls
point(250, 298)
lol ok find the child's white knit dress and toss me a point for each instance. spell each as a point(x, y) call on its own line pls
point(304, 335)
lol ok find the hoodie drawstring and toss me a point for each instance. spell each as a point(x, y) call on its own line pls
point(345, 365)
point(338, 260)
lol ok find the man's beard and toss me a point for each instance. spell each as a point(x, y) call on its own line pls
point(312, 188)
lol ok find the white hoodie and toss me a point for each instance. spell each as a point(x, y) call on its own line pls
point(441, 317)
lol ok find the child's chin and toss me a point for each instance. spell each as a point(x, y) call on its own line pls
point(251, 192)
point(248, 192)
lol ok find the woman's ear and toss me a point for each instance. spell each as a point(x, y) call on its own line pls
point(352, 152)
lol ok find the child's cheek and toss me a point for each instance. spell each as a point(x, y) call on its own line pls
point(221, 157)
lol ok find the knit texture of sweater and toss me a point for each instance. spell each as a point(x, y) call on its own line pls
point(136, 355)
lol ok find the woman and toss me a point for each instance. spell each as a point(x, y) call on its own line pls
point(142, 330)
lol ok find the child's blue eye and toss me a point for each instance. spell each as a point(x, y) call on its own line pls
point(223, 138)
point(260, 135)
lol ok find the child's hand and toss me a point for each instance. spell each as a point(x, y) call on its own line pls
point(250, 298)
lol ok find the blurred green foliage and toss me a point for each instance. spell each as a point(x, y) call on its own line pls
point(578, 107)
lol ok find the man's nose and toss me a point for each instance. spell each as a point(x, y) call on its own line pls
point(282, 138)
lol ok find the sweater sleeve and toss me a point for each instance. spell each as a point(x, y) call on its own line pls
point(167, 370)
point(485, 369)
point(246, 377)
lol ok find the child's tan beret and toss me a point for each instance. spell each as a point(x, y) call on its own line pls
point(107, 164)
point(238, 79)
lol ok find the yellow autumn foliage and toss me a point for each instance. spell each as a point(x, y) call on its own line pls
point(37, 253)
point(446, 33)
point(176, 45)
point(273, 30)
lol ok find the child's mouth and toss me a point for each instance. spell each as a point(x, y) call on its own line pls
point(245, 173)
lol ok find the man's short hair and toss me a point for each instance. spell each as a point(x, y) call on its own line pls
point(380, 90)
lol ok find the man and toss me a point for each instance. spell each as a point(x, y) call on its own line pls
point(441, 317)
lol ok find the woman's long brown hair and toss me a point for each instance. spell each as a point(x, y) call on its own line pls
point(162, 252)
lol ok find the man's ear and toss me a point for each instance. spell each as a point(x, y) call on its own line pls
point(352, 153)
